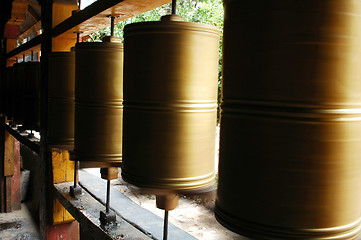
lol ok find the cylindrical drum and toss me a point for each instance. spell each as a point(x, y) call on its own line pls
point(61, 94)
point(289, 164)
point(3, 91)
point(31, 96)
point(9, 92)
point(170, 101)
point(18, 93)
point(98, 101)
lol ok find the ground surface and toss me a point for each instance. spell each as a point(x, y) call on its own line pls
point(193, 215)
point(18, 225)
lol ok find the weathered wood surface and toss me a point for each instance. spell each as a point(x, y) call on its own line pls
point(129, 210)
point(86, 211)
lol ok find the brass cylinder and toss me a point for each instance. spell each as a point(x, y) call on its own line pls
point(3, 91)
point(31, 96)
point(98, 101)
point(9, 92)
point(289, 164)
point(18, 93)
point(61, 95)
point(170, 100)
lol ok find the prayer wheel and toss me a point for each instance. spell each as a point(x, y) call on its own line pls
point(289, 164)
point(31, 96)
point(18, 93)
point(170, 104)
point(61, 94)
point(3, 91)
point(9, 92)
point(98, 101)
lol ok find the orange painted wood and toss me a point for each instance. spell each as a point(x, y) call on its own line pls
point(68, 231)
point(16, 179)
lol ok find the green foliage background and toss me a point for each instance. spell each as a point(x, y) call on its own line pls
point(202, 11)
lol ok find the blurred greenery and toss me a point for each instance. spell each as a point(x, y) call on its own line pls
point(202, 11)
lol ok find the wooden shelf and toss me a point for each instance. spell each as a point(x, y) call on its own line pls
point(94, 17)
point(32, 144)
point(32, 45)
point(85, 209)
point(91, 19)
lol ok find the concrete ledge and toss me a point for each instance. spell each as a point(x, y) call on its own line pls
point(86, 210)
point(142, 219)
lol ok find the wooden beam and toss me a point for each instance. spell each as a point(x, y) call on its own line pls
point(18, 11)
point(33, 44)
point(94, 17)
point(46, 201)
point(32, 144)
point(33, 13)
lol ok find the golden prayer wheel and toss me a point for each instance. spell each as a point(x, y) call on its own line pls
point(9, 92)
point(99, 101)
point(170, 104)
point(61, 94)
point(3, 91)
point(31, 96)
point(290, 154)
point(18, 93)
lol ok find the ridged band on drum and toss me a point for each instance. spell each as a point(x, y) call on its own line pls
point(291, 120)
point(170, 100)
point(98, 101)
point(61, 94)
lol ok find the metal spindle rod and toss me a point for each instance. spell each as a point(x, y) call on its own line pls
point(32, 55)
point(23, 57)
point(75, 173)
point(174, 6)
point(108, 197)
point(165, 230)
point(77, 37)
point(112, 25)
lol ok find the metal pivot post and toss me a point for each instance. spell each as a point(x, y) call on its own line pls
point(167, 202)
point(165, 228)
point(75, 190)
point(78, 36)
point(108, 174)
point(174, 6)
point(107, 206)
point(112, 25)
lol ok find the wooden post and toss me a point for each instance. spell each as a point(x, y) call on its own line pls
point(3, 181)
point(15, 194)
point(63, 171)
point(55, 221)
point(10, 159)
